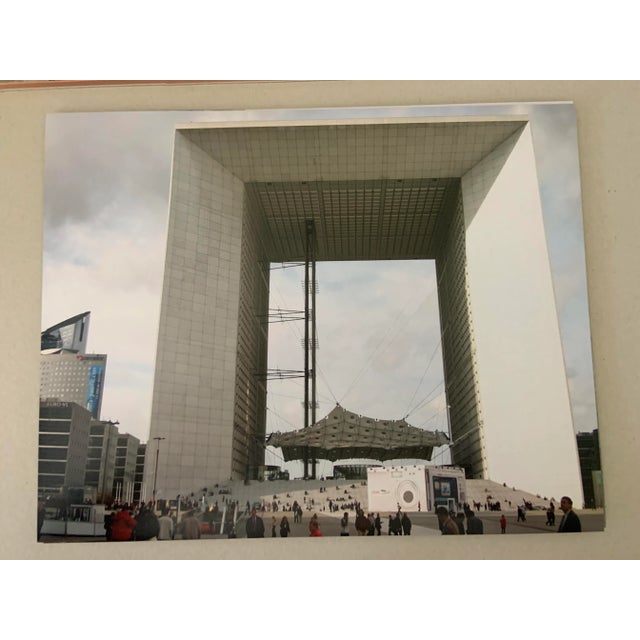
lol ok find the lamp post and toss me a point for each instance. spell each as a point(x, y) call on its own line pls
point(155, 473)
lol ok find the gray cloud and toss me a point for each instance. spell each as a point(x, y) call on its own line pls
point(96, 160)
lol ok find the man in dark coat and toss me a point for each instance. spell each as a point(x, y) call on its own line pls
point(570, 522)
point(406, 524)
point(255, 526)
point(397, 524)
point(474, 525)
point(362, 523)
point(147, 525)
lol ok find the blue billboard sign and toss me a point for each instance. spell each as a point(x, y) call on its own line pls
point(96, 375)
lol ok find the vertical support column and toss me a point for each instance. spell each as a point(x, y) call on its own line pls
point(309, 337)
point(313, 336)
point(313, 344)
point(306, 347)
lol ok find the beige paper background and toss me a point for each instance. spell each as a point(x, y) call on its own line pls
point(608, 138)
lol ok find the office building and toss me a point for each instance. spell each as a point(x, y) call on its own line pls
point(74, 377)
point(125, 467)
point(63, 439)
point(101, 457)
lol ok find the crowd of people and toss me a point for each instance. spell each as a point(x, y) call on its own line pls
point(144, 523)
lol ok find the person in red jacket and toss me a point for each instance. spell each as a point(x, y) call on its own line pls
point(314, 528)
point(122, 525)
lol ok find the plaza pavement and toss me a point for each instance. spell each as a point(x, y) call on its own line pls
point(426, 524)
point(423, 524)
point(315, 495)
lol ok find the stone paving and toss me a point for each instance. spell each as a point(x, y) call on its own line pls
point(426, 524)
point(314, 496)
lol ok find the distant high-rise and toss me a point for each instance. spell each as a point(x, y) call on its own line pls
point(74, 377)
point(125, 467)
point(101, 456)
point(138, 486)
point(68, 335)
point(67, 372)
point(589, 454)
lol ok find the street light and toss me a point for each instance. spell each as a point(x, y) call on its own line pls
point(155, 473)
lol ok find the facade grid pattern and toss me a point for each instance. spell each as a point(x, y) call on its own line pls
point(457, 346)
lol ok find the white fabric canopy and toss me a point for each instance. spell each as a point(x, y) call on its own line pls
point(344, 434)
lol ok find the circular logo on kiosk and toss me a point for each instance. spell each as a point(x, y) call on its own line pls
point(407, 494)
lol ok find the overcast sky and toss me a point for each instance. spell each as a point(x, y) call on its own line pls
point(106, 209)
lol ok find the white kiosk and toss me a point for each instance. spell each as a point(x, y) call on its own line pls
point(415, 488)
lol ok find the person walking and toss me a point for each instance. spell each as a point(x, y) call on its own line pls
point(165, 523)
point(344, 524)
point(397, 525)
point(551, 517)
point(503, 524)
point(474, 525)
point(108, 524)
point(314, 528)
point(255, 526)
point(313, 522)
point(274, 524)
point(406, 524)
point(362, 523)
point(285, 529)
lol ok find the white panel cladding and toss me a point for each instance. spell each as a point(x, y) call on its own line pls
point(519, 361)
point(252, 346)
point(193, 398)
point(410, 150)
point(458, 356)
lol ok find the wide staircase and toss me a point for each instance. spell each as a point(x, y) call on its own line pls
point(485, 491)
point(342, 495)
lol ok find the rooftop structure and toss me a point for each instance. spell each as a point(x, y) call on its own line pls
point(68, 335)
